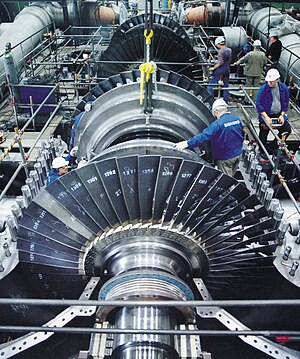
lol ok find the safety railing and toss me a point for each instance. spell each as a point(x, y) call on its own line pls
point(292, 303)
point(23, 164)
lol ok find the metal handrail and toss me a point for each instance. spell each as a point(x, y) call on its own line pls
point(203, 332)
point(280, 177)
point(20, 166)
point(149, 303)
point(29, 37)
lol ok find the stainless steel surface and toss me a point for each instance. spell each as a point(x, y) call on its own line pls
point(178, 255)
point(235, 37)
point(143, 345)
point(117, 117)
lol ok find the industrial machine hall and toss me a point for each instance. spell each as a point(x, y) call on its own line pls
point(149, 179)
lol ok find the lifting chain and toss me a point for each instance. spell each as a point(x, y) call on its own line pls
point(147, 68)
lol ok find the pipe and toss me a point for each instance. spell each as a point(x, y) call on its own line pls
point(27, 29)
point(88, 331)
point(227, 12)
point(236, 38)
point(213, 14)
point(95, 15)
point(206, 15)
point(104, 15)
point(149, 303)
point(31, 20)
point(38, 19)
point(10, 70)
point(262, 20)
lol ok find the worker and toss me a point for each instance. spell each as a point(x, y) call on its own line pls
point(274, 51)
point(272, 104)
point(245, 49)
point(221, 70)
point(60, 165)
point(59, 168)
point(254, 64)
point(225, 136)
point(77, 119)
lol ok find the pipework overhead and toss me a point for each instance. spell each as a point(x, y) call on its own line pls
point(33, 21)
point(265, 20)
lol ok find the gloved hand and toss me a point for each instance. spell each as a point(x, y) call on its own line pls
point(74, 151)
point(181, 145)
point(82, 163)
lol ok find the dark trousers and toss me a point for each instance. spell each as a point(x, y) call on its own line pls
point(214, 80)
point(264, 131)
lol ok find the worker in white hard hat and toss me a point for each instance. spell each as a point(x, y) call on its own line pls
point(225, 136)
point(272, 104)
point(274, 51)
point(59, 168)
point(255, 62)
point(221, 70)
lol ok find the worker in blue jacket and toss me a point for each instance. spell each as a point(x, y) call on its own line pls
point(272, 103)
point(60, 165)
point(77, 119)
point(225, 136)
point(59, 168)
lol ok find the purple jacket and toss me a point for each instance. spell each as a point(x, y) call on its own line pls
point(264, 99)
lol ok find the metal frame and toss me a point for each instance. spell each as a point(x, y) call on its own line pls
point(207, 308)
point(18, 345)
point(264, 345)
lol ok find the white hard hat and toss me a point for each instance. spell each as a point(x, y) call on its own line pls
point(218, 105)
point(272, 75)
point(257, 43)
point(88, 106)
point(220, 40)
point(59, 162)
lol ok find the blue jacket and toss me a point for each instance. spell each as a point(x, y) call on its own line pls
point(225, 136)
point(264, 99)
point(77, 120)
point(74, 128)
point(52, 176)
